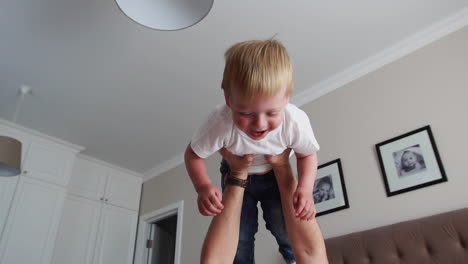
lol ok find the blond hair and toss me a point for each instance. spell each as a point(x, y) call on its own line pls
point(257, 67)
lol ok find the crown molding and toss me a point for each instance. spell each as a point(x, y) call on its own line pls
point(63, 143)
point(109, 165)
point(163, 167)
point(422, 38)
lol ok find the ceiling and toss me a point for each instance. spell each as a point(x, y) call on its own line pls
point(133, 96)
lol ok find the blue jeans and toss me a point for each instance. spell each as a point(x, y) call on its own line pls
point(263, 189)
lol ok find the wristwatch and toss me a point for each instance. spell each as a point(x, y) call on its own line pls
point(236, 181)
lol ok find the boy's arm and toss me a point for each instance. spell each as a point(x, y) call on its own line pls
point(307, 172)
point(307, 169)
point(196, 168)
point(209, 197)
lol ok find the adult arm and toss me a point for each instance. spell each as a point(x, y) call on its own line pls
point(221, 240)
point(305, 236)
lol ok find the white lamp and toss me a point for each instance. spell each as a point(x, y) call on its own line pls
point(166, 14)
point(10, 156)
point(10, 148)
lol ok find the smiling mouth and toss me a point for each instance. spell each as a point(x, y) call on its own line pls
point(258, 134)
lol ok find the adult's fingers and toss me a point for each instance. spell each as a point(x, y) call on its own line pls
point(248, 158)
point(224, 152)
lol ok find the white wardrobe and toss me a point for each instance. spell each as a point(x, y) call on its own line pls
point(100, 216)
point(64, 208)
point(31, 204)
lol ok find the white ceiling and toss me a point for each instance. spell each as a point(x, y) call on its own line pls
point(133, 96)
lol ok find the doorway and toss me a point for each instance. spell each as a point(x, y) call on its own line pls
point(159, 236)
point(161, 241)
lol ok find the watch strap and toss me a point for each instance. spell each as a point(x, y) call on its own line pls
point(236, 181)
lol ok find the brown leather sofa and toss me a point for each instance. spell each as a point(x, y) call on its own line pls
point(440, 239)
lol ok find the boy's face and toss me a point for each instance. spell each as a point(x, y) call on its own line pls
point(258, 116)
point(409, 159)
point(324, 189)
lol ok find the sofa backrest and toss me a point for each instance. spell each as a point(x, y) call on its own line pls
point(441, 238)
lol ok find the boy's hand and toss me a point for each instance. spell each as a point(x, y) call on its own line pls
point(304, 204)
point(238, 165)
point(209, 200)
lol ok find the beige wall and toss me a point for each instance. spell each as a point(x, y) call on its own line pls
point(428, 87)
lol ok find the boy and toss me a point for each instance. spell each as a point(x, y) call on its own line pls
point(256, 119)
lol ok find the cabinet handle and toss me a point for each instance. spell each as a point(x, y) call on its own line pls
point(25, 172)
point(106, 199)
point(101, 198)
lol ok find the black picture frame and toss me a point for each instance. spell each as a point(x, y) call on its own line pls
point(410, 161)
point(329, 193)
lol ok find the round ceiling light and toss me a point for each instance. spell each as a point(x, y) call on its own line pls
point(166, 14)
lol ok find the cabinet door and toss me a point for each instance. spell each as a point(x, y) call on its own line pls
point(7, 189)
point(123, 190)
point(32, 223)
point(88, 179)
point(78, 229)
point(49, 164)
point(116, 239)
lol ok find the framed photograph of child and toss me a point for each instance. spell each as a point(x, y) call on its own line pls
point(410, 161)
point(329, 188)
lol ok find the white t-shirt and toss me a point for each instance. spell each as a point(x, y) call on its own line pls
point(219, 131)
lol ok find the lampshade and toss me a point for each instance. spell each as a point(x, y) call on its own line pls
point(10, 156)
point(166, 14)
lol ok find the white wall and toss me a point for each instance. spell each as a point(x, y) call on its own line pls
point(427, 87)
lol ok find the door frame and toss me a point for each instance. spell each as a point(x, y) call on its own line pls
point(144, 227)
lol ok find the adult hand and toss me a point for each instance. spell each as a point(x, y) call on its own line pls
point(238, 165)
point(279, 160)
